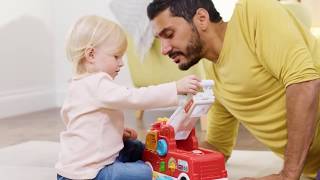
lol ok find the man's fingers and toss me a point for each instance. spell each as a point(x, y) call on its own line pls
point(247, 178)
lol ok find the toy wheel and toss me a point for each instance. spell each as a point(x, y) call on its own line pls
point(183, 176)
point(162, 147)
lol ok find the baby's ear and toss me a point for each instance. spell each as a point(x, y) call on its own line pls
point(89, 54)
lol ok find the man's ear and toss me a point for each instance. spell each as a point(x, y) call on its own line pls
point(201, 19)
point(89, 54)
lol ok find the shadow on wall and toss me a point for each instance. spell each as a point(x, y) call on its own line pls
point(26, 66)
point(26, 55)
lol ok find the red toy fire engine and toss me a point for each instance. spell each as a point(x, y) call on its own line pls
point(173, 159)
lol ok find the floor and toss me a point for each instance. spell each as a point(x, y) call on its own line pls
point(46, 125)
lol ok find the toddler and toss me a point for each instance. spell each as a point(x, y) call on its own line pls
point(95, 144)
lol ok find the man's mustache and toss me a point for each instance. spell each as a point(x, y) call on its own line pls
point(173, 54)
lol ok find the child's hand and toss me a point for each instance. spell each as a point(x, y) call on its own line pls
point(129, 133)
point(188, 84)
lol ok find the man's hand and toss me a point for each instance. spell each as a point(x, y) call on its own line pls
point(129, 134)
point(269, 177)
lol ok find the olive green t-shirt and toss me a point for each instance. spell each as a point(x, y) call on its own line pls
point(266, 48)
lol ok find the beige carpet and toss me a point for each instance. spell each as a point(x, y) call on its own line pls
point(34, 160)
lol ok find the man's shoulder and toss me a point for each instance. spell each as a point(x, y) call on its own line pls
point(253, 11)
point(256, 4)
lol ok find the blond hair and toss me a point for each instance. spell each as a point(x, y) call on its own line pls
point(90, 32)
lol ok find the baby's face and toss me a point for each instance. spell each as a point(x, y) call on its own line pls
point(108, 63)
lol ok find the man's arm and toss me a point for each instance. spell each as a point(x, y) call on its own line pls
point(302, 105)
point(286, 55)
point(222, 129)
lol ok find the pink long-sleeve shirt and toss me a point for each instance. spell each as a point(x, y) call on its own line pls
point(92, 113)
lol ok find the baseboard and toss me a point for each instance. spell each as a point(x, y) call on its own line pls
point(60, 96)
point(24, 101)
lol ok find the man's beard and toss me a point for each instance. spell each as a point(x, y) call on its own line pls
point(193, 51)
point(193, 54)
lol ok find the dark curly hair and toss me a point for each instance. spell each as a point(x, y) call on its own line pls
point(183, 8)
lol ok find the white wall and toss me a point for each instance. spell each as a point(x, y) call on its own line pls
point(33, 66)
point(27, 64)
point(225, 8)
point(313, 7)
